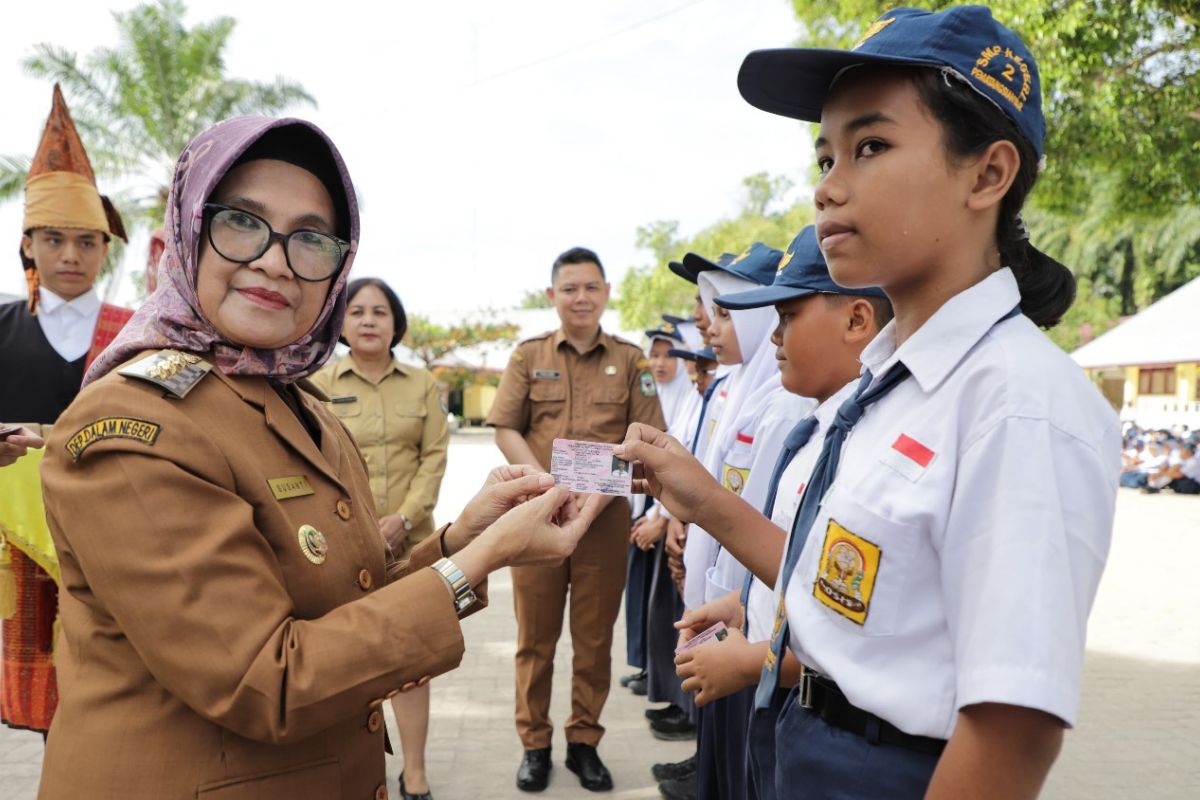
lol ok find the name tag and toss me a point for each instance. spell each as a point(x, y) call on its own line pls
point(547, 374)
point(347, 398)
point(290, 486)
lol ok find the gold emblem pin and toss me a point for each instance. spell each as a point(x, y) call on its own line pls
point(313, 544)
point(610, 370)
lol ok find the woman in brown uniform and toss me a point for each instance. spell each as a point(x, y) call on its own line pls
point(394, 412)
point(231, 622)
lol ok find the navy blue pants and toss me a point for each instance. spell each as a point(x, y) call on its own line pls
point(815, 760)
point(760, 749)
point(721, 747)
point(639, 572)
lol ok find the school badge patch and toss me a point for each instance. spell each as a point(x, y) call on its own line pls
point(734, 478)
point(847, 572)
point(646, 385)
point(138, 430)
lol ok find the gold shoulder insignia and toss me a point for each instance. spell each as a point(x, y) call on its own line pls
point(175, 371)
point(642, 363)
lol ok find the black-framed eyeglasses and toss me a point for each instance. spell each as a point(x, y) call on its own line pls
point(241, 236)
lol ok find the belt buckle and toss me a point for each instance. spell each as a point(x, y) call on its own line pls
point(806, 688)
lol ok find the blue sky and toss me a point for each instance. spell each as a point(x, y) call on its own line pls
point(484, 138)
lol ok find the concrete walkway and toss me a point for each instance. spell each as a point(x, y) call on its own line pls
point(1138, 733)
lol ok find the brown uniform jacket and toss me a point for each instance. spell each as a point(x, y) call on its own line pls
point(550, 391)
point(400, 428)
point(205, 654)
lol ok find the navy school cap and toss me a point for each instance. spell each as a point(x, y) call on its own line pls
point(801, 272)
point(687, 355)
point(692, 265)
point(757, 264)
point(965, 41)
point(674, 320)
point(666, 330)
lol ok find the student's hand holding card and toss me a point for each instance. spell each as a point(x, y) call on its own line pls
point(725, 610)
point(669, 472)
point(717, 669)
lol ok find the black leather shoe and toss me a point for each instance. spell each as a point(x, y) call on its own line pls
point(637, 676)
point(674, 728)
point(405, 794)
point(655, 714)
point(638, 687)
point(673, 772)
point(583, 760)
point(534, 773)
point(681, 789)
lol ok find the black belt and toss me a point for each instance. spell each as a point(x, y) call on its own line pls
point(822, 697)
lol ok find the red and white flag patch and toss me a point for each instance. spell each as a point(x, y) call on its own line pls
point(908, 457)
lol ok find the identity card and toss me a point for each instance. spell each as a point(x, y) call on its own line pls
point(717, 632)
point(590, 467)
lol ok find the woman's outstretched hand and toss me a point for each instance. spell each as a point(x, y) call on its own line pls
point(505, 488)
point(542, 531)
point(668, 471)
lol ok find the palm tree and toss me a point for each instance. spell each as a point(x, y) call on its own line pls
point(138, 104)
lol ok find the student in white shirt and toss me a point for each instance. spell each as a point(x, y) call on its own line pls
point(821, 330)
point(947, 567)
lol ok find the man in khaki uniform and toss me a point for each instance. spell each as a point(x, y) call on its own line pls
point(576, 383)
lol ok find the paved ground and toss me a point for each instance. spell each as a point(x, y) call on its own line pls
point(1138, 734)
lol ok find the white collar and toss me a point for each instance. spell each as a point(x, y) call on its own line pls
point(87, 304)
point(936, 348)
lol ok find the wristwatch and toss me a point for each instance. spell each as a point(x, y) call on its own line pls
point(464, 595)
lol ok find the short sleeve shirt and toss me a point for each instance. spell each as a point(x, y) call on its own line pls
point(955, 558)
point(550, 390)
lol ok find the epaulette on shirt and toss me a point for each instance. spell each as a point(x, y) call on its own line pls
point(624, 341)
point(173, 370)
point(537, 338)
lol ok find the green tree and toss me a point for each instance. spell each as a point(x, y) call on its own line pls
point(138, 104)
point(652, 290)
point(535, 298)
point(432, 342)
point(1122, 90)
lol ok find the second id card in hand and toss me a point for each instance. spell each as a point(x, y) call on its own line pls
point(590, 467)
point(717, 632)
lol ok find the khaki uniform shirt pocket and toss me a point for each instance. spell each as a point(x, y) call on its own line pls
point(609, 417)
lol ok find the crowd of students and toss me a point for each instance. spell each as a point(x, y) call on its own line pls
point(886, 445)
point(1153, 460)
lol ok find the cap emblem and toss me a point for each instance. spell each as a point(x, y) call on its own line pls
point(875, 28)
point(1008, 73)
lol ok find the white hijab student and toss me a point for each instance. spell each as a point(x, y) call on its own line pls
point(743, 397)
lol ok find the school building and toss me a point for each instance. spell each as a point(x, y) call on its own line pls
point(1149, 366)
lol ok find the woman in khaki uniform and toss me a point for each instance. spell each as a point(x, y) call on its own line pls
point(394, 412)
point(231, 621)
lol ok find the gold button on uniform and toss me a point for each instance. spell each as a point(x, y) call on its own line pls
point(343, 509)
point(364, 579)
point(374, 722)
point(381, 792)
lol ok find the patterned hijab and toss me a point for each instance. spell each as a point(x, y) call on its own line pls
point(171, 317)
